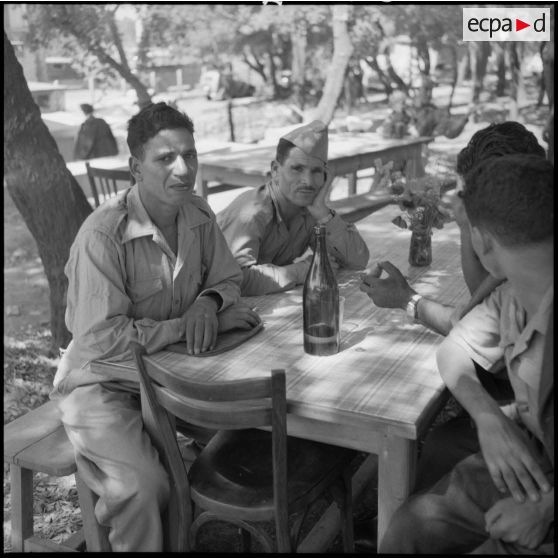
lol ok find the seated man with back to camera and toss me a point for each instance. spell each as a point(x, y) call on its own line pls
point(149, 265)
point(500, 499)
point(457, 436)
point(394, 291)
point(268, 228)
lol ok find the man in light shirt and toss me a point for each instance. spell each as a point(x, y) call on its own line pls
point(149, 265)
point(500, 499)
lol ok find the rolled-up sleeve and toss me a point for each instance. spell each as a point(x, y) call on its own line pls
point(345, 244)
point(478, 333)
point(245, 235)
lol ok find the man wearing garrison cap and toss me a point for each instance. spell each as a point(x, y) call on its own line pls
point(270, 227)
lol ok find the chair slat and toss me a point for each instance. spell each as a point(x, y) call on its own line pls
point(104, 181)
point(216, 415)
point(234, 390)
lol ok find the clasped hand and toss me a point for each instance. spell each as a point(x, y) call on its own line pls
point(525, 524)
point(203, 323)
point(392, 291)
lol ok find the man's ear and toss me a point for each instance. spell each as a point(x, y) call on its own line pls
point(482, 242)
point(135, 167)
point(274, 168)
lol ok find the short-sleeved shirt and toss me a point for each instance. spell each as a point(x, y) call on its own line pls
point(263, 244)
point(498, 327)
point(126, 284)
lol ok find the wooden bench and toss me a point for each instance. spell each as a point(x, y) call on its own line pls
point(354, 208)
point(37, 442)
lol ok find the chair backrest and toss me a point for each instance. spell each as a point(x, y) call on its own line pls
point(103, 182)
point(230, 405)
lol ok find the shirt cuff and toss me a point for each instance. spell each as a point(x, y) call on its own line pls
point(215, 295)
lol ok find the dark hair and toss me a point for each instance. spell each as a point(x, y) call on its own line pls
point(149, 121)
point(86, 108)
point(496, 140)
point(512, 197)
point(283, 149)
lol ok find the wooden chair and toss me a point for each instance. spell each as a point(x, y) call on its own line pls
point(104, 181)
point(243, 476)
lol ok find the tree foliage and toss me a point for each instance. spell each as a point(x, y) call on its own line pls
point(87, 32)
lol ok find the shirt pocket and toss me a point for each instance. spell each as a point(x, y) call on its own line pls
point(143, 289)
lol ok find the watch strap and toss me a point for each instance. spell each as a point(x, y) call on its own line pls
point(412, 307)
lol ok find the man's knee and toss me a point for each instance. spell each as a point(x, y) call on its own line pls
point(411, 524)
point(143, 486)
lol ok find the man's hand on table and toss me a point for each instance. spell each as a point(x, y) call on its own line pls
point(508, 458)
point(238, 316)
point(201, 325)
point(391, 292)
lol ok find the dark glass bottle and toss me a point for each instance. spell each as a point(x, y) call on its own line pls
point(320, 302)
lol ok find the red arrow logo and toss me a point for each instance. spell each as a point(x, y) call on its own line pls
point(519, 25)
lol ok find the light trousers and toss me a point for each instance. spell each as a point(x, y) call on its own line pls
point(116, 459)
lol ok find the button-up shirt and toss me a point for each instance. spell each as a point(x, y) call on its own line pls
point(265, 246)
point(498, 327)
point(126, 284)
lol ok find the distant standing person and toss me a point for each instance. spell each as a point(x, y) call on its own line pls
point(95, 138)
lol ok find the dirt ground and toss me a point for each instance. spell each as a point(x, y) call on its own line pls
point(29, 368)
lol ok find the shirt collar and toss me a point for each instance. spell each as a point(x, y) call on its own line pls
point(539, 322)
point(192, 214)
point(139, 223)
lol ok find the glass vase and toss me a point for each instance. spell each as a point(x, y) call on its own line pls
point(420, 250)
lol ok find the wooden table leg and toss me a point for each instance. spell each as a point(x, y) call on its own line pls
point(415, 168)
point(324, 531)
point(352, 182)
point(21, 490)
point(396, 477)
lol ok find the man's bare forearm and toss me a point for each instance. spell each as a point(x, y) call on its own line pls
point(458, 372)
point(435, 315)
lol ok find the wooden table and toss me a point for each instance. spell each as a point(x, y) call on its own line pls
point(381, 391)
point(348, 153)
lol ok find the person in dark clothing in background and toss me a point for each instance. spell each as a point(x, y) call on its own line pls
point(95, 138)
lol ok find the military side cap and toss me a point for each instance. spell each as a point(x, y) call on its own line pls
point(310, 138)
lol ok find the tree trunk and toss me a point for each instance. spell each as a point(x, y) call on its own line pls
point(44, 191)
point(514, 62)
point(342, 50)
point(463, 66)
point(298, 77)
point(454, 72)
point(500, 69)
point(372, 61)
point(479, 52)
point(547, 56)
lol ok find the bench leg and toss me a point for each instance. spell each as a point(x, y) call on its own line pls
point(96, 536)
point(21, 506)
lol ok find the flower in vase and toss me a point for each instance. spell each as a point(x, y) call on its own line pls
point(420, 201)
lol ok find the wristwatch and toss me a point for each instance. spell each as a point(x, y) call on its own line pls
point(412, 307)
